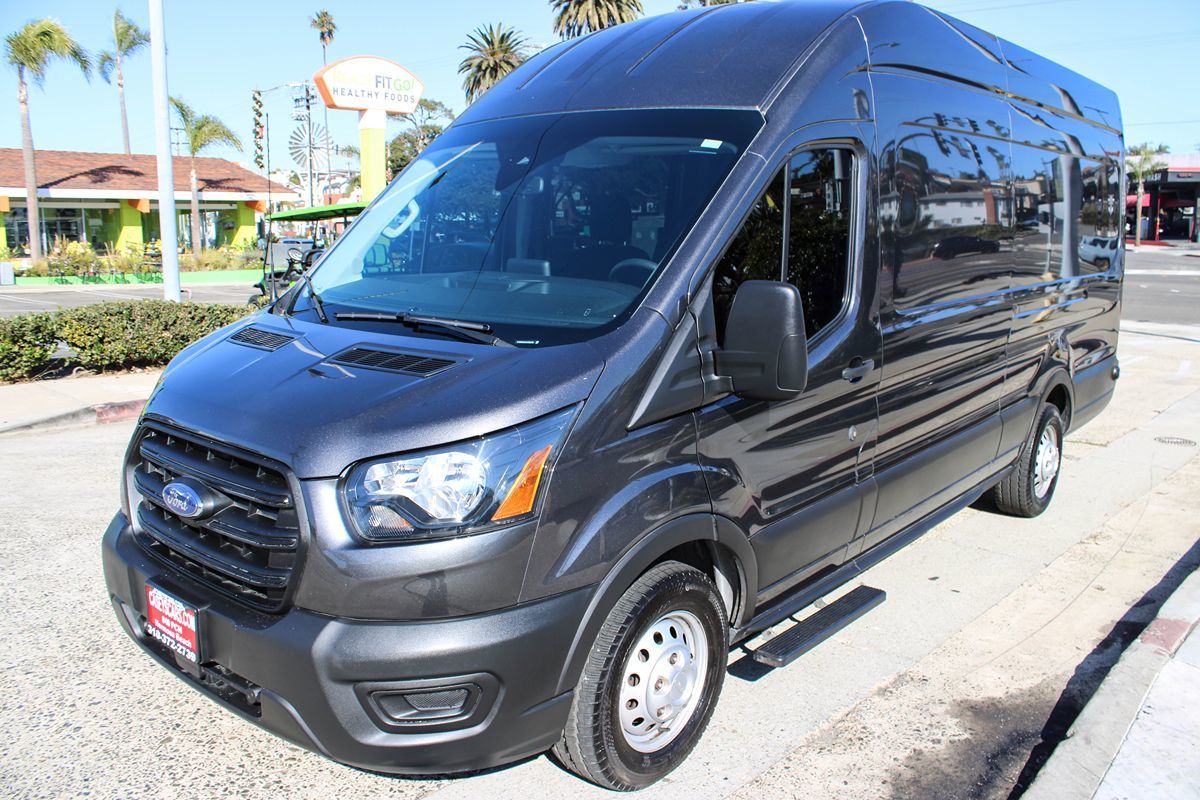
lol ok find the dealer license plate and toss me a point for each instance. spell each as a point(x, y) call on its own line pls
point(173, 623)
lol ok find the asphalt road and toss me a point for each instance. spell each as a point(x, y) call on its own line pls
point(994, 633)
point(1162, 288)
point(26, 300)
point(1158, 288)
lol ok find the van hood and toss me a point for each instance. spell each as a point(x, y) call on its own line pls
point(295, 404)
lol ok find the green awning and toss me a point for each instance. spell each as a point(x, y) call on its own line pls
point(335, 211)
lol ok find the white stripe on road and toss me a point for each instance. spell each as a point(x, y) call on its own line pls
point(1185, 273)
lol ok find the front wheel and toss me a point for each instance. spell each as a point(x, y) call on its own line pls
point(1027, 490)
point(651, 681)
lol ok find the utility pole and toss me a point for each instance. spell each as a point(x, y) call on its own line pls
point(309, 123)
point(162, 140)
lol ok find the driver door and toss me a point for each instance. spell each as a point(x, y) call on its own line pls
point(789, 471)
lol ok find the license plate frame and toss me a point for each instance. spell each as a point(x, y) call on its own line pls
point(174, 624)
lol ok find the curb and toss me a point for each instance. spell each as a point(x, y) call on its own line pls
point(1079, 763)
point(98, 414)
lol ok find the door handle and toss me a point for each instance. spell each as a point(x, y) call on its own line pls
point(858, 369)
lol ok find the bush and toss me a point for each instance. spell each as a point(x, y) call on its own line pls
point(128, 333)
point(26, 344)
point(221, 258)
point(139, 332)
point(73, 258)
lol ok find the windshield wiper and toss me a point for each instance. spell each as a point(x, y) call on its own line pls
point(317, 303)
point(464, 330)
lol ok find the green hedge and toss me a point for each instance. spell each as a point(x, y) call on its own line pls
point(26, 344)
point(131, 333)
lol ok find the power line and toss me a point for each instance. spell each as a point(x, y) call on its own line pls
point(1165, 122)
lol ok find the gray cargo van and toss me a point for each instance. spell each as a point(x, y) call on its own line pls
point(684, 325)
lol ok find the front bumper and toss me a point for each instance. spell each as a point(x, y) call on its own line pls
point(321, 682)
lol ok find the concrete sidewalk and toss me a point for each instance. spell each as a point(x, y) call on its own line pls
point(84, 399)
point(1139, 735)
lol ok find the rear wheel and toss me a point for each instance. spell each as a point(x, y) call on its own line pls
point(1027, 490)
point(651, 681)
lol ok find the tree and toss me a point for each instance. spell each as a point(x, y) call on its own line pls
point(30, 50)
point(425, 126)
point(1140, 161)
point(323, 22)
point(201, 131)
point(325, 27)
point(128, 38)
point(494, 52)
point(576, 17)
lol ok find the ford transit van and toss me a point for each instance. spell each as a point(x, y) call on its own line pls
point(682, 326)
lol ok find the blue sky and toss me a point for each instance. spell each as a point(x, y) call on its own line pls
point(220, 50)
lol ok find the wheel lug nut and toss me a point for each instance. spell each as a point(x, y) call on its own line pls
point(674, 658)
point(658, 684)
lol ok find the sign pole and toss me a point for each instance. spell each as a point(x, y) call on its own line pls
point(372, 147)
point(168, 238)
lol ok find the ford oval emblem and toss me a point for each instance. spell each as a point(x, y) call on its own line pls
point(183, 500)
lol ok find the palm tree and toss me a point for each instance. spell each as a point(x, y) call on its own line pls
point(576, 17)
point(326, 27)
point(30, 51)
point(128, 38)
point(202, 131)
point(494, 51)
point(1141, 161)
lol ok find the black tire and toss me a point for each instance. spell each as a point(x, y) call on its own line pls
point(593, 745)
point(1017, 495)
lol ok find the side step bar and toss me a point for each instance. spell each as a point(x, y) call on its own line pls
point(811, 631)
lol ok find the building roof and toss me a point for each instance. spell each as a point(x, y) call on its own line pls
point(66, 173)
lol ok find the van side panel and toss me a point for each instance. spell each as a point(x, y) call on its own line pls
point(944, 212)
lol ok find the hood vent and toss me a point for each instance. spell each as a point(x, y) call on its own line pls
point(389, 361)
point(261, 338)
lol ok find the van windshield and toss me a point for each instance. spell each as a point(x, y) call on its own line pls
point(546, 229)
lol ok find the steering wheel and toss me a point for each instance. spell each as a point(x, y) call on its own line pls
point(293, 254)
point(633, 271)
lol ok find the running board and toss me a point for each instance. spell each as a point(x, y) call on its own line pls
point(811, 631)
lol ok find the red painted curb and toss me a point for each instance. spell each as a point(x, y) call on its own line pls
point(118, 412)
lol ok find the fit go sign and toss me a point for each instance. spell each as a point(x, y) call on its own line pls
point(368, 83)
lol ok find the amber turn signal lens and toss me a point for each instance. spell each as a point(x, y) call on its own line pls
point(520, 497)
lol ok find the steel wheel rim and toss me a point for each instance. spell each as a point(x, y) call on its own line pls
point(662, 681)
point(1045, 462)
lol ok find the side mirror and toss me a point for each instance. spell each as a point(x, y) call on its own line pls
point(766, 350)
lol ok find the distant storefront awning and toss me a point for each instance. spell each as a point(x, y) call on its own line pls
point(336, 211)
point(1131, 200)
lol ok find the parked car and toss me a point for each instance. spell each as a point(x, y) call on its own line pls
point(454, 501)
point(955, 246)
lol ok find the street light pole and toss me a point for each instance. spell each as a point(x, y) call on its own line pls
point(168, 237)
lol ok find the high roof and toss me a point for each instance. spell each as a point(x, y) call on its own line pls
point(721, 56)
point(66, 173)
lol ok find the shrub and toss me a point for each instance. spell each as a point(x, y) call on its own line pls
point(26, 344)
point(139, 332)
point(225, 257)
point(73, 258)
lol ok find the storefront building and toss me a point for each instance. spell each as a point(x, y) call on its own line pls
point(111, 200)
point(1169, 207)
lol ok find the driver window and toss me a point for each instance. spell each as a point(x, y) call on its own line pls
point(813, 192)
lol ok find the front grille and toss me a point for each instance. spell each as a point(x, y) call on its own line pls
point(247, 548)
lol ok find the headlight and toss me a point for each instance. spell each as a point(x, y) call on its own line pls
point(462, 488)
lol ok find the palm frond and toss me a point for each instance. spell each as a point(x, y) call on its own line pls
point(323, 22)
point(106, 62)
point(577, 17)
point(37, 43)
point(493, 52)
point(128, 37)
point(202, 130)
